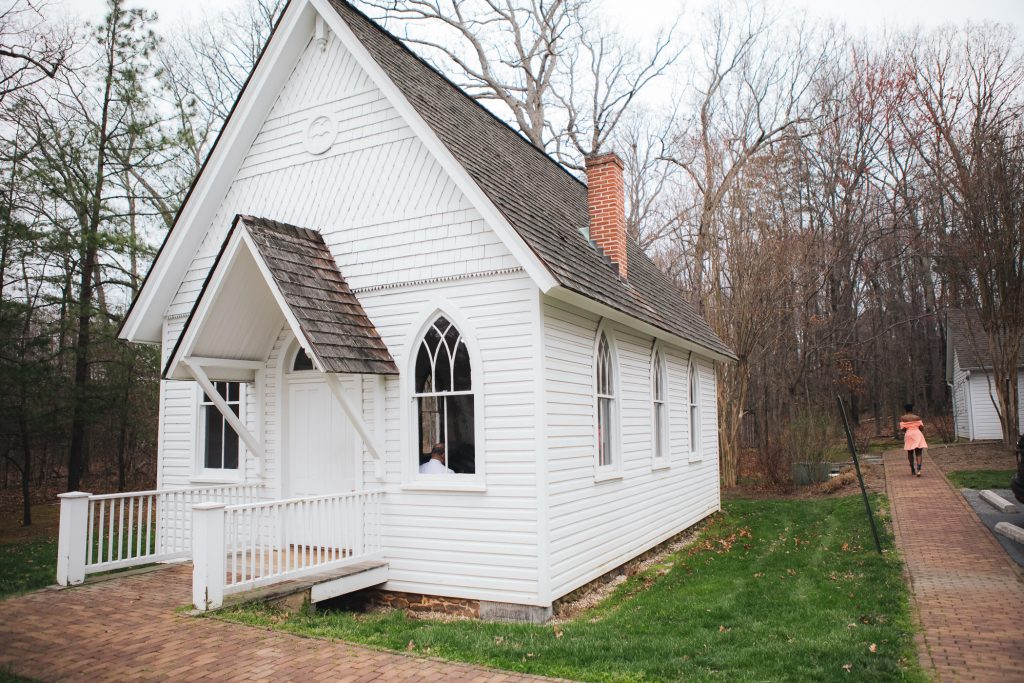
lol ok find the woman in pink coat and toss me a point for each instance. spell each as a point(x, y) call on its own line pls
point(913, 439)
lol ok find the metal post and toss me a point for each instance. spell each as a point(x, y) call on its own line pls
point(860, 477)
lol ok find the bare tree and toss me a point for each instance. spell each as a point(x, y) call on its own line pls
point(750, 94)
point(969, 88)
point(203, 68)
point(752, 100)
point(563, 78)
point(31, 49)
point(601, 79)
point(639, 141)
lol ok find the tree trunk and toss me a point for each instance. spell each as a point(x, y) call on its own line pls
point(90, 245)
point(26, 471)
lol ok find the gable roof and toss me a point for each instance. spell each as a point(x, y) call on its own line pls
point(331, 320)
point(543, 202)
point(968, 339)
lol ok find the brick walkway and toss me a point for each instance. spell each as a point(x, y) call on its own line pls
point(968, 593)
point(127, 629)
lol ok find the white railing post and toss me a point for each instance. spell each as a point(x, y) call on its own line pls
point(74, 527)
point(208, 555)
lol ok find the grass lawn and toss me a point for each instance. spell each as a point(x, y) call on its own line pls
point(28, 555)
point(981, 479)
point(772, 590)
point(27, 565)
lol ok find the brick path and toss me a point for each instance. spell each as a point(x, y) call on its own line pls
point(127, 629)
point(968, 593)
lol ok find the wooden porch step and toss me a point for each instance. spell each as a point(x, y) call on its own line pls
point(291, 595)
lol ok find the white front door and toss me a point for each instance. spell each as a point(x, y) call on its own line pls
point(323, 452)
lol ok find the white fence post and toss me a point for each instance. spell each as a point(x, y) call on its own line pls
point(74, 527)
point(208, 555)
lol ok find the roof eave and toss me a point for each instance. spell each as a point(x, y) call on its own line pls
point(586, 303)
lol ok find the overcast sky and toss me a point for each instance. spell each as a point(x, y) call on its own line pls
point(642, 17)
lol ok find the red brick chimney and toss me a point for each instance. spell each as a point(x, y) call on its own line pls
point(606, 200)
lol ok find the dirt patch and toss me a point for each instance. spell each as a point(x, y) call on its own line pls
point(592, 594)
point(985, 455)
point(45, 522)
point(843, 484)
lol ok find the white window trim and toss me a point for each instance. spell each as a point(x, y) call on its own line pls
point(693, 408)
point(662, 460)
point(412, 478)
point(613, 470)
point(202, 474)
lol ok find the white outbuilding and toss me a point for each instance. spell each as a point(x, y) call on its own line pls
point(402, 338)
point(970, 378)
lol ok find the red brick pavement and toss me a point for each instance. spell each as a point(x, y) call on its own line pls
point(967, 591)
point(127, 629)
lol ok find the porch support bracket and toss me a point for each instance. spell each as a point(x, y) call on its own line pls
point(243, 432)
point(356, 417)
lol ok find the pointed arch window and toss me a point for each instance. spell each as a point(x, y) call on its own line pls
point(606, 405)
point(694, 410)
point(302, 361)
point(444, 398)
point(659, 405)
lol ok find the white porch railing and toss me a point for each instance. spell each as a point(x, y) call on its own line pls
point(103, 532)
point(240, 547)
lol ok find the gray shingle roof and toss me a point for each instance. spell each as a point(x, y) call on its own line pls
point(970, 341)
point(543, 202)
point(329, 315)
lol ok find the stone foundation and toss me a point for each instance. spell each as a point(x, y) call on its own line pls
point(416, 602)
point(514, 612)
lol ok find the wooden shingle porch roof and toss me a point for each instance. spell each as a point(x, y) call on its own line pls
point(544, 203)
point(337, 333)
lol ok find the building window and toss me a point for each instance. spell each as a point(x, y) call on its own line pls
point(218, 440)
point(694, 409)
point(302, 362)
point(444, 402)
point(605, 404)
point(659, 407)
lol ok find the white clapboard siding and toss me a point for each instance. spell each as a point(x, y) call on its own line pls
point(178, 437)
point(465, 544)
point(961, 405)
point(974, 408)
point(984, 417)
point(480, 545)
point(386, 208)
point(594, 527)
point(1020, 401)
point(176, 445)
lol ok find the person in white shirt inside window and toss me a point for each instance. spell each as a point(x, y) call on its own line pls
point(436, 463)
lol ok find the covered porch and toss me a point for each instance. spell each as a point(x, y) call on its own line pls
point(315, 512)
